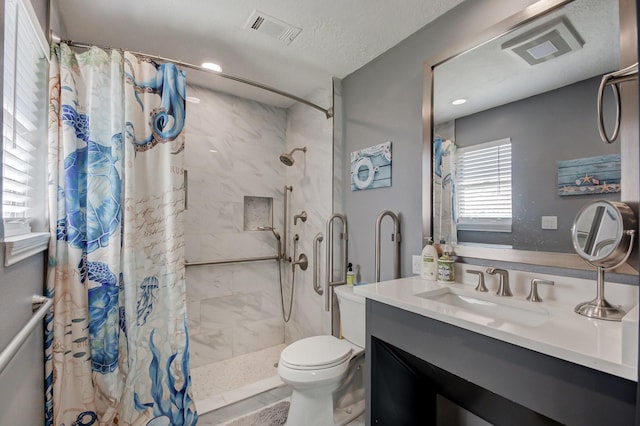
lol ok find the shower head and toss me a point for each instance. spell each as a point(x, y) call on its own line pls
point(287, 158)
point(270, 228)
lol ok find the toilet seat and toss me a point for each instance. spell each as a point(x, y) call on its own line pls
point(315, 353)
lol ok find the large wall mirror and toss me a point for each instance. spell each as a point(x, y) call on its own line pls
point(518, 103)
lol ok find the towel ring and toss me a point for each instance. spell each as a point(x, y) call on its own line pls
point(614, 79)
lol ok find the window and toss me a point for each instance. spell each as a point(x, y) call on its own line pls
point(483, 187)
point(26, 65)
point(24, 131)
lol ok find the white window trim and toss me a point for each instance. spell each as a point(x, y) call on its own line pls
point(20, 247)
point(487, 225)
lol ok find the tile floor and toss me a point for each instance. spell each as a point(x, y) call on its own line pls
point(234, 412)
point(241, 408)
point(226, 382)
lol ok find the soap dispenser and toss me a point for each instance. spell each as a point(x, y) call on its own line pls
point(350, 275)
point(446, 266)
point(429, 265)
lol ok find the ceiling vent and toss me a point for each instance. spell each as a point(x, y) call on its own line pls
point(545, 42)
point(273, 27)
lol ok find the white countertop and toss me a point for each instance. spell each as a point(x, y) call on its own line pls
point(564, 334)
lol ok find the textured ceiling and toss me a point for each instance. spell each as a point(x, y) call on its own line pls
point(337, 37)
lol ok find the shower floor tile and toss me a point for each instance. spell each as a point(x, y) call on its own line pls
point(226, 382)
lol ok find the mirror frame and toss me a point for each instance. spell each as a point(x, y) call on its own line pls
point(628, 138)
point(625, 234)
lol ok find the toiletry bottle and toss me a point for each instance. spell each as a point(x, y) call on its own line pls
point(429, 266)
point(446, 269)
point(350, 275)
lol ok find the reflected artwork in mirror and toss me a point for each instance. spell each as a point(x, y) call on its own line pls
point(544, 102)
point(603, 234)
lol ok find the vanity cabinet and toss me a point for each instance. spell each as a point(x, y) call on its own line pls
point(411, 358)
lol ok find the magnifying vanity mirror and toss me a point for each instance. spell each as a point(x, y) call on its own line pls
point(536, 109)
point(603, 234)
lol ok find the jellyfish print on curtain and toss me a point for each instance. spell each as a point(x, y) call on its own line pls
point(117, 348)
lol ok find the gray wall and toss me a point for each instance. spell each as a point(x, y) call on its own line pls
point(22, 383)
point(383, 101)
point(557, 125)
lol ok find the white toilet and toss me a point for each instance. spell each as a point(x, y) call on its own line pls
point(317, 366)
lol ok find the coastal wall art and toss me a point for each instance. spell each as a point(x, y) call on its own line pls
point(592, 175)
point(371, 167)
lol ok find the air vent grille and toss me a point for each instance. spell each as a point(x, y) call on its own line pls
point(273, 27)
point(257, 23)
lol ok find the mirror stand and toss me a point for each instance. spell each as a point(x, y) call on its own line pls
point(599, 308)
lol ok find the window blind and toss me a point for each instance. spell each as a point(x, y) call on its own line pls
point(24, 117)
point(483, 187)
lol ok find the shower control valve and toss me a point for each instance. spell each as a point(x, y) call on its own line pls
point(302, 216)
point(302, 262)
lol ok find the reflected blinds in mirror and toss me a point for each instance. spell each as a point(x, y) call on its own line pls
point(483, 186)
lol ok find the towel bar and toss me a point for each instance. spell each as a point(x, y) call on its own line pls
point(40, 305)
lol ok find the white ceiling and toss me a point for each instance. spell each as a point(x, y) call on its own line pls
point(337, 37)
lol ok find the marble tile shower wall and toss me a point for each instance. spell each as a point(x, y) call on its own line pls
point(232, 309)
point(311, 178)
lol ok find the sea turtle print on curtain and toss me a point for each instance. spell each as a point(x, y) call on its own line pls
point(117, 347)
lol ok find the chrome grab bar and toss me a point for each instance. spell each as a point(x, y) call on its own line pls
point(186, 189)
point(396, 237)
point(344, 236)
point(228, 261)
point(40, 305)
point(316, 263)
point(614, 79)
point(284, 256)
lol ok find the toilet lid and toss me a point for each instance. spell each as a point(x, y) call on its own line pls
point(316, 352)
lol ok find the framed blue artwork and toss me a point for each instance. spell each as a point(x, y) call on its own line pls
point(592, 175)
point(371, 167)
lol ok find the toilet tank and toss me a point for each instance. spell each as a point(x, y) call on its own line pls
point(352, 315)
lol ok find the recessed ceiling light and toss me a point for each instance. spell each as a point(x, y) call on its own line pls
point(459, 101)
point(211, 66)
point(192, 99)
point(213, 150)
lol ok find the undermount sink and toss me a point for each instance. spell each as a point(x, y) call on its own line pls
point(490, 306)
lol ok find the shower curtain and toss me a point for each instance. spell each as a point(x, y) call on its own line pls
point(117, 348)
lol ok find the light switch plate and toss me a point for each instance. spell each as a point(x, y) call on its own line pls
point(549, 222)
point(415, 264)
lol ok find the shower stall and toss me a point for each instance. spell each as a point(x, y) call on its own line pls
point(240, 283)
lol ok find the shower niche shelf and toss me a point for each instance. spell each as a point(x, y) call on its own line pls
point(258, 212)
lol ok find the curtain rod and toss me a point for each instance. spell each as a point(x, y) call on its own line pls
point(327, 112)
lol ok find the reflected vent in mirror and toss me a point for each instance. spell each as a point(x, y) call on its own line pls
point(545, 42)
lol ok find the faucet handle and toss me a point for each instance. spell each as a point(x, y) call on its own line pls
point(480, 274)
point(533, 293)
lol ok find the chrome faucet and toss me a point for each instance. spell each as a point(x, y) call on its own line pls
point(503, 288)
